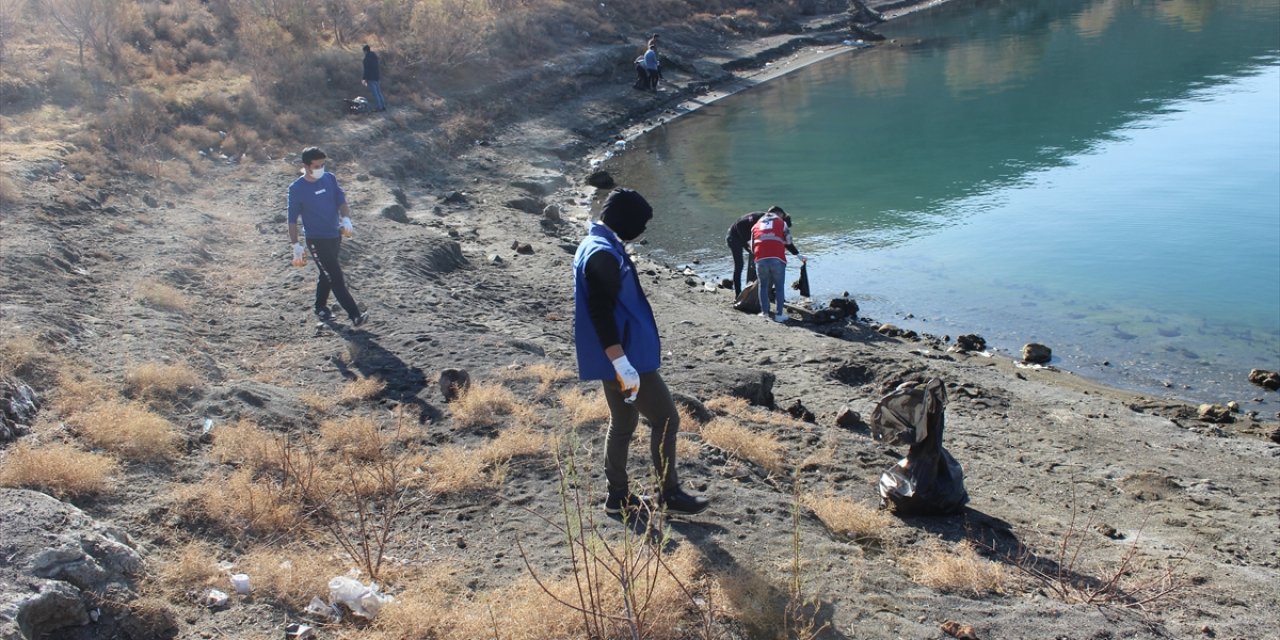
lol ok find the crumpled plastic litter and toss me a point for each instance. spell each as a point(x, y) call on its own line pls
point(362, 600)
point(214, 598)
point(323, 610)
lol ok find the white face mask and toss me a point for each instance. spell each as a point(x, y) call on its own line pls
point(316, 173)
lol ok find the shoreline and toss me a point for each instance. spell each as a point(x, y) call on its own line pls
point(1192, 391)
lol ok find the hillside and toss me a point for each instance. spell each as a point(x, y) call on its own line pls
point(194, 410)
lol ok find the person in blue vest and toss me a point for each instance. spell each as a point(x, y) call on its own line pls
point(316, 200)
point(373, 79)
point(617, 343)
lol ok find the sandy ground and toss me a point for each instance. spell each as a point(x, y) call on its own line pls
point(1046, 455)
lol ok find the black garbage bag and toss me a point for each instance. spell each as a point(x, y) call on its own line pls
point(929, 481)
point(748, 301)
point(802, 284)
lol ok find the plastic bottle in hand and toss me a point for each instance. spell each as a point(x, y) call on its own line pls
point(346, 227)
point(299, 255)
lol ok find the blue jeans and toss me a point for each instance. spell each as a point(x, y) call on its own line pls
point(772, 272)
point(379, 102)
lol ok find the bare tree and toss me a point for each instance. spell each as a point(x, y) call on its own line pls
point(95, 24)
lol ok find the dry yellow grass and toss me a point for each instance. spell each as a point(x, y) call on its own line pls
point(247, 444)
point(957, 569)
point(78, 388)
point(741, 442)
point(57, 469)
point(157, 381)
point(158, 295)
point(128, 430)
point(359, 390)
point(191, 566)
point(318, 403)
point(743, 410)
point(517, 441)
point(483, 405)
point(585, 408)
point(23, 357)
point(358, 437)
point(456, 470)
point(292, 575)
point(849, 519)
point(545, 373)
point(242, 503)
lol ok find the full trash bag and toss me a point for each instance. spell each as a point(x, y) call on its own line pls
point(802, 284)
point(929, 481)
point(748, 301)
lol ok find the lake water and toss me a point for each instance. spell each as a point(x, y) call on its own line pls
point(1101, 177)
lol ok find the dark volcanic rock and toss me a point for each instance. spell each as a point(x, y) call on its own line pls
point(971, 342)
point(1036, 353)
point(395, 213)
point(1269, 380)
point(601, 180)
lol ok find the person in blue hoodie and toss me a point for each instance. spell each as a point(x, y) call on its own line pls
point(616, 337)
point(316, 200)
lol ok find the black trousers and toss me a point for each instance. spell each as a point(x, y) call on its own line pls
point(325, 253)
point(737, 249)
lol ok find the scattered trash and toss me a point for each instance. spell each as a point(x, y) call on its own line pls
point(240, 582)
point(363, 601)
point(296, 631)
point(208, 426)
point(213, 598)
point(320, 609)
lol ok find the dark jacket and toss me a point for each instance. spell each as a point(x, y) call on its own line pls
point(629, 322)
point(371, 67)
point(739, 234)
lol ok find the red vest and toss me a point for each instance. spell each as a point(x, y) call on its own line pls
point(769, 238)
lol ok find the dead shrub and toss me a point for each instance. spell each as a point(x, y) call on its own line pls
point(60, 470)
point(957, 569)
point(318, 403)
point(743, 443)
point(844, 517)
point(457, 469)
point(520, 440)
point(358, 437)
point(163, 297)
point(190, 567)
point(24, 358)
point(292, 575)
point(155, 381)
point(359, 390)
point(243, 503)
point(246, 444)
point(128, 430)
point(78, 388)
point(585, 408)
point(483, 405)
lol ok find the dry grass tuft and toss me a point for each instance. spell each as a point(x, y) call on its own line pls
point(457, 470)
point(482, 405)
point(958, 569)
point(585, 408)
point(318, 403)
point(844, 517)
point(740, 442)
point(292, 575)
point(156, 381)
point(191, 567)
point(24, 358)
point(58, 469)
point(158, 295)
point(128, 430)
point(520, 440)
point(739, 408)
point(358, 437)
point(246, 444)
point(77, 389)
point(243, 503)
point(545, 373)
point(360, 390)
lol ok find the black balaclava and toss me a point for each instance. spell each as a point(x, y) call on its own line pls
point(626, 213)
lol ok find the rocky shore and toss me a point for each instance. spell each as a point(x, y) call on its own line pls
point(464, 263)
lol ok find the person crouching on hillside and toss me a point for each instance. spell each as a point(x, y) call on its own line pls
point(770, 239)
point(616, 337)
point(321, 205)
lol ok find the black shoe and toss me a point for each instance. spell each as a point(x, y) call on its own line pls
point(677, 501)
point(323, 314)
point(360, 319)
point(619, 501)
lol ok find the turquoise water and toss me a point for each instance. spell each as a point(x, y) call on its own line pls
point(1102, 177)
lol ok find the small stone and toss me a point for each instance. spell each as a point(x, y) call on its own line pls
point(1036, 353)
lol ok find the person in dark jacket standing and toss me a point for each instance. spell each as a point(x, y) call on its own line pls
point(616, 337)
point(739, 240)
point(316, 200)
point(373, 79)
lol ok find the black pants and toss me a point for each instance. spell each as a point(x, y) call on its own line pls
point(325, 253)
point(654, 402)
point(738, 248)
point(653, 74)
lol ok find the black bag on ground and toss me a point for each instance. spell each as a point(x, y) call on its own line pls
point(748, 301)
point(929, 481)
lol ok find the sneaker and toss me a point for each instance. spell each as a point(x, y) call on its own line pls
point(360, 319)
point(624, 500)
point(323, 314)
point(677, 501)
point(763, 314)
point(781, 317)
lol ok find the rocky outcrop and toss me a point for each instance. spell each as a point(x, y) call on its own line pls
point(61, 560)
point(1269, 380)
point(18, 407)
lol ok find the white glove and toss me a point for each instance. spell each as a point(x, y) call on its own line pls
point(628, 378)
point(803, 258)
point(346, 226)
point(299, 254)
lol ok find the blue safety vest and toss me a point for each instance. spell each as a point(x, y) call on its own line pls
point(637, 329)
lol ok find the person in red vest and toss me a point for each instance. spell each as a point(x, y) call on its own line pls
point(770, 239)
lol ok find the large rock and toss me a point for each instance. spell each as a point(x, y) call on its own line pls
point(1036, 353)
point(527, 205)
point(60, 562)
point(1266, 379)
point(18, 407)
point(971, 342)
point(601, 180)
